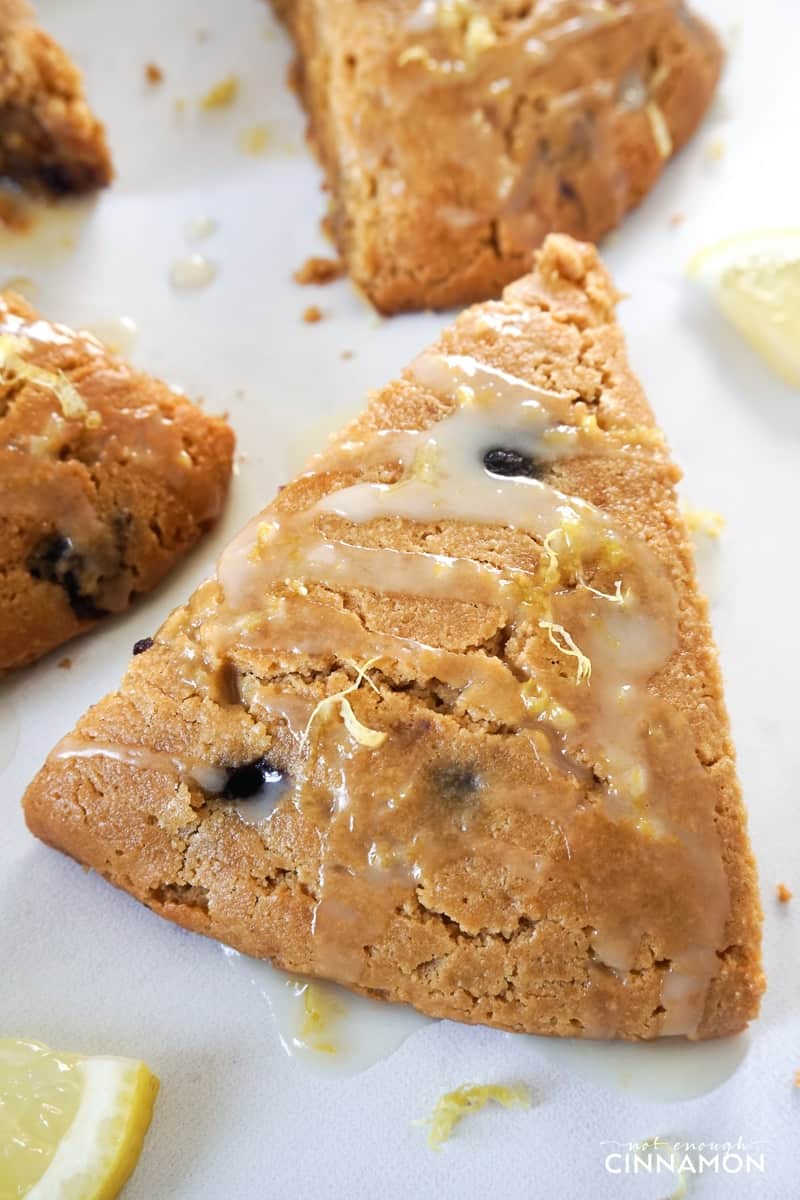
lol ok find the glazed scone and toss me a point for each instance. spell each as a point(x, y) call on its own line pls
point(447, 726)
point(107, 477)
point(455, 134)
point(49, 138)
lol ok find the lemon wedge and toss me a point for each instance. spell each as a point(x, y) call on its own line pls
point(71, 1128)
point(755, 280)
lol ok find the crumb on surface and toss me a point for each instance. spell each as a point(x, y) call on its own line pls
point(312, 314)
point(153, 73)
point(453, 1106)
point(15, 213)
point(703, 520)
point(222, 94)
point(64, 663)
point(715, 149)
point(347, 354)
point(254, 140)
point(784, 893)
point(677, 219)
point(23, 285)
point(319, 270)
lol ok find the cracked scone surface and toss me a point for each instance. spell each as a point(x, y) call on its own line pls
point(107, 476)
point(49, 137)
point(447, 726)
point(456, 134)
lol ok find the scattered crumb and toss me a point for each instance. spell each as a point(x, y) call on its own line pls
point(153, 73)
point(703, 520)
point(715, 149)
point(15, 214)
point(312, 314)
point(797, 1079)
point(222, 94)
point(293, 77)
point(469, 1098)
point(180, 105)
point(201, 35)
point(64, 663)
point(326, 227)
point(23, 285)
point(677, 219)
point(254, 140)
point(784, 894)
point(346, 354)
point(319, 270)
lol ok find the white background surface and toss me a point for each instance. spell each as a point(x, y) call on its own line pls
point(85, 968)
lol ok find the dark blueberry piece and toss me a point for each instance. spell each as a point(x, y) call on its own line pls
point(455, 784)
point(56, 179)
point(142, 645)
point(249, 778)
point(57, 561)
point(500, 460)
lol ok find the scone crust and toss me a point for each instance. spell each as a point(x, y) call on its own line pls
point(92, 515)
point(195, 862)
point(449, 159)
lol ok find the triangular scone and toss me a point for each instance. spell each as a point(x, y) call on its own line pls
point(448, 725)
point(48, 135)
point(455, 134)
point(107, 476)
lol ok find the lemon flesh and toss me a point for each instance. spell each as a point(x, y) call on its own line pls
point(755, 280)
point(71, 1128)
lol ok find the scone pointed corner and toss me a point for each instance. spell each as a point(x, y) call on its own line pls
point(447, 726)
point(50, 140)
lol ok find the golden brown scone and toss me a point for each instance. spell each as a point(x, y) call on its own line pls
point(49, 137)
point(106, 478)
point(455, 134)
point(448, 724)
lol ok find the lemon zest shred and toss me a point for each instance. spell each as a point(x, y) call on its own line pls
point(478, 36)
point(354, 726)
point(653, 1144)
point(264, 534)
point(372, 738)
point(417, 54)
point(584, 668)
point(552, 569)
point(453, 1106)
point(618, 596)
point(658, 124)
point(320, 1011)
point(14, 366)
point(222, 94)
point(703, 520)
